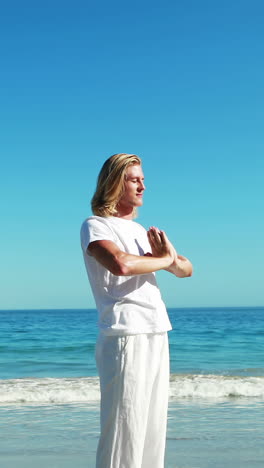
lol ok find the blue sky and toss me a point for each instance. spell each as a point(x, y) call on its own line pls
point(178, 83)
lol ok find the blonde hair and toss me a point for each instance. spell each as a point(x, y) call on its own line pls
point(110, 183)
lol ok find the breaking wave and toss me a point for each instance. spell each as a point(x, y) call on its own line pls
point(86, 389)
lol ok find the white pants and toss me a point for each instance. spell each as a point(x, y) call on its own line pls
point(134, 381)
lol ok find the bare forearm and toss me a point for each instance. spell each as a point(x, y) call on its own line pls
point(129, 265)
point(120, 263)
point(181, 267)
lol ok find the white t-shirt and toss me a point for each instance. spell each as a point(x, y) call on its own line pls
point(127, 305)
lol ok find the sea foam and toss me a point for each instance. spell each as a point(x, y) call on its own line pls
point(215, 386)
point(87, 389)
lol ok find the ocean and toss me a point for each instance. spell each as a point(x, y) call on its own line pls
point(49, 389)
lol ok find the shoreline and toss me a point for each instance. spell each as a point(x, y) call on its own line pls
point(200, 434)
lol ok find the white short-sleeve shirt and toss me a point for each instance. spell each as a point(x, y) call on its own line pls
point(126, 305)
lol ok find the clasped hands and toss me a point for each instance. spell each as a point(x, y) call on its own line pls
point(161, 247)
point(160, 244)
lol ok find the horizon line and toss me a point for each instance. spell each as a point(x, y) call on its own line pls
point(88, 308)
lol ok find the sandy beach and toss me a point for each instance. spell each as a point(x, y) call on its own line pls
point(201, 434)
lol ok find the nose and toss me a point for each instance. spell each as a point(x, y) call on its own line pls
point(142, 185)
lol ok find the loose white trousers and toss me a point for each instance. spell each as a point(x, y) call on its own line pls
point(134, 381)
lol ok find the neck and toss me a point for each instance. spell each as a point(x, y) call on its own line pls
point(125, 212)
